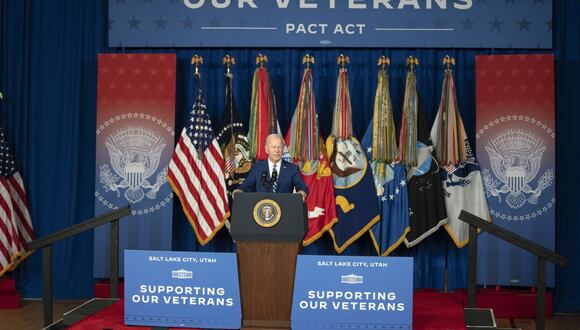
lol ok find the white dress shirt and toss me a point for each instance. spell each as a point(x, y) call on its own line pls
point(271, 167)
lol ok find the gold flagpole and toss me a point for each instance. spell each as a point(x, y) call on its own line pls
point(196, 61)
point(308, 60)
point(228, 61)
point(261, 60)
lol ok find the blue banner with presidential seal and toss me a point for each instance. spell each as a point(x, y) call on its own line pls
point(135, 136)
point(516, 150)
point(331, 23)
point(335, 292)
point(182, 289)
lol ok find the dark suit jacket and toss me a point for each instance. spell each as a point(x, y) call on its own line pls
point(288, 178)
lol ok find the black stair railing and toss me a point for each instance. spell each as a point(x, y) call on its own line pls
point(46, 242)
point(541, 252)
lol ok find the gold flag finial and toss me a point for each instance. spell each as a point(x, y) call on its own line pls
point(383, 62)
point(412, 62)
point(228, 62)
point(342, 60)
point(261, 59)
point(308, 60)
point(448, 61)
point(196, 61)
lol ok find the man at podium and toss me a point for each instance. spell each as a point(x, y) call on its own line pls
point(274, 175)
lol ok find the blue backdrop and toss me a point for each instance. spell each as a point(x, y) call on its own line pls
point(48, 69)
point(326, 24)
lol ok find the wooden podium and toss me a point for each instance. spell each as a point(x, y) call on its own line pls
point(267, 248)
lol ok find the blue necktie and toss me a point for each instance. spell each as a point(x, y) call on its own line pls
point(274, 177)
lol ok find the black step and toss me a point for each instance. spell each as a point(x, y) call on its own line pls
point(87, 309)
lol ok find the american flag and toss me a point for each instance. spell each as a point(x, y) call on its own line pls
point(196, 173)
point(15, 223)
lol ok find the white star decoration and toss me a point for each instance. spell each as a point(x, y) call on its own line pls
point(402, 183)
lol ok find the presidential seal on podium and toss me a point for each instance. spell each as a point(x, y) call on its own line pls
point(267, 213)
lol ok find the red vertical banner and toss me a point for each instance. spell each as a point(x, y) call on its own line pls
point(134, 143)
point(516, 150)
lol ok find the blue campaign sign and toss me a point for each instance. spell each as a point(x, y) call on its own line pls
point(182, 289)
point(353, 293)
point(331, 23)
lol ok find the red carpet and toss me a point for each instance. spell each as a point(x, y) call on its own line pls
point(9, 297)
point(436, 310)
point(512, 302)
point(431, 310)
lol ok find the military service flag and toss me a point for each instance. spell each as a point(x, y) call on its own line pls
point(355, 192)
point(232, 139)
point(307, 151)
point(263, 116)
point(390, 176)
point(459, 171)
point(426, 201)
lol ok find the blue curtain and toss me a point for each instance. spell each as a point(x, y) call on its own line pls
point(567, 50)
point(48, 76)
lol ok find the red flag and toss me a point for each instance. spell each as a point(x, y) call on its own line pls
point(307, 151)
point(196, 174)
point(320, 201)
point(15, 224)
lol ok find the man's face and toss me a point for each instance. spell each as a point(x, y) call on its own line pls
point(274, 148)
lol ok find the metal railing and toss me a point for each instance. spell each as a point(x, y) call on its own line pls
point(541, 252)
point(46, 242)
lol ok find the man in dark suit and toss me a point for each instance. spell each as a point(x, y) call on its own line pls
point(274, 174)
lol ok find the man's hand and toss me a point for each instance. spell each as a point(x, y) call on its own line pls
point(303, 195)
point(235, 192)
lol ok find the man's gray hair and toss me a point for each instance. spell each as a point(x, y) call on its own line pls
point(275, 135)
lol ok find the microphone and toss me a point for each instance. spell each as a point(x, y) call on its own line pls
point(274, 176)
point(264, 179)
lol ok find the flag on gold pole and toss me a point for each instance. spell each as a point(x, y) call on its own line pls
point(354, 188)
point(307, 151)
point(263, 117)
point(196, 171)
point(461, 176)
point(426, 201)
point(390, 176)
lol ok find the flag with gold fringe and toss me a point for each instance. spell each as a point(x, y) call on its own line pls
point(263, 116)
point(307, 151)
point(460, 173)
point(426, 201)
point(448, 133)
point(355, 192)
point(408, 132)
point(232, 139)
point(16, 229)
point(196, 173)
point(390, 177)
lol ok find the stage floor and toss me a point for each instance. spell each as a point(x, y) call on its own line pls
point(30, 316)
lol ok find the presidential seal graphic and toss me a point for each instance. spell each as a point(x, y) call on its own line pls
point(519, 174)
point(133, 173)
point(267, 213)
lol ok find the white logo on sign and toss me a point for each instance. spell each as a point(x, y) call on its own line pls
point(351, 279)
point(516, 157)
point(182, 274)
point(134, 154)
